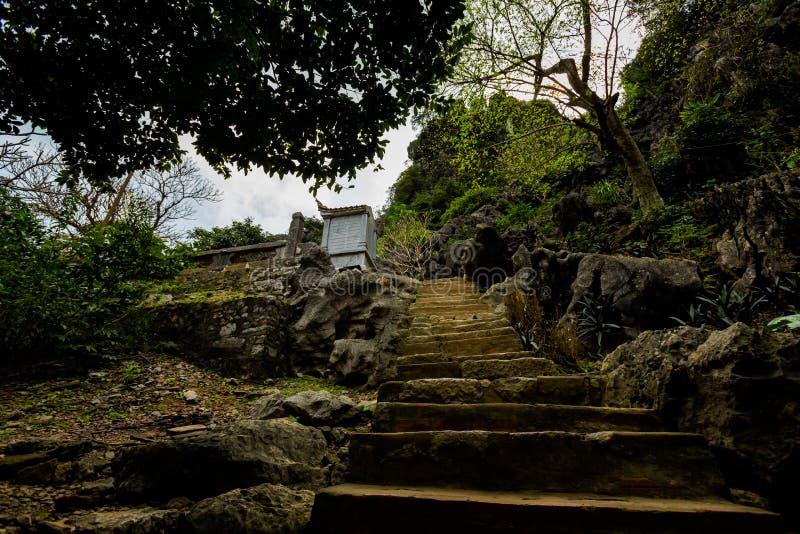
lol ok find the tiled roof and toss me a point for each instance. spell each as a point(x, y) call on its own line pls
point(346, 210)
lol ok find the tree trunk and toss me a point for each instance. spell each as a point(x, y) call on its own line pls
point(613, 130)
point(644, 187)
point(115, 204)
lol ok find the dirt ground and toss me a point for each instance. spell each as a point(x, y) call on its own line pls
point(124, 402)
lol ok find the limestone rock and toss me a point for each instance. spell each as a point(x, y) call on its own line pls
point(352, 305)
point(358, 362)
point(738, 387)
point(642, 292)
point(760, 237)
point(321, 408)
point(269, 406)
point(263, 509)
point(240, 454)
point(128, 521)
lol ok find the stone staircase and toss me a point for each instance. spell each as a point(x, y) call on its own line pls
point(479, 436)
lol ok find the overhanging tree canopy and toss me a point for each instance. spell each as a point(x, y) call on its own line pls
point(294, 87)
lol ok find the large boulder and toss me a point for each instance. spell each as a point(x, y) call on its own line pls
point(760, 238)
point(240, 454)
point(643, 293)
point(311, 407)
point(348, 305)
point(263, 509)
point(738, 387)
point(123, 521)
point(356, 362)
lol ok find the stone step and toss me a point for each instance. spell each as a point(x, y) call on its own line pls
point(366, 509)
point(422, 328)
point(438, 357)
point(483, 369)
point(448, 299)
point(488, 315)
point(447, 310)
point(500, 331)
point(479, 345)
point(652, 464)
point(577, 390)
point(416, 417)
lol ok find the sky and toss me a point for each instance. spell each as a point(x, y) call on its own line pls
point(271, 201)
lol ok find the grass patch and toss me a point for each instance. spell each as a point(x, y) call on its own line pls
point(292, 386)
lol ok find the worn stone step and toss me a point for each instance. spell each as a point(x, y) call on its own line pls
point(447, 310)
point(653, 464)
point(437, 357)
point(506, 417)
point(579, 390)
point(489, 315)
point(500, 331)
point(479, 345)
point(368, 509)
point(422, 328)
point(448, 299)
point(478, 368)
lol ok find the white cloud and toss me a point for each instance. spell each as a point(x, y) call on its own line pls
point(271, 202)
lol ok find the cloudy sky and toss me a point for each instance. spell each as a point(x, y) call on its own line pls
point(271, 202)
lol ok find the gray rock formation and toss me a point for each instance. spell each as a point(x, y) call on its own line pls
point(263, 509)
point(738, 387)
point(642, 292)
point(758, 216)
point(349, 305)
point(241, 454)
point(356, 362)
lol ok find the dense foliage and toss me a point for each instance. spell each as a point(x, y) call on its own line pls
point(236, 234)
point(70, 295)
point(305, 88)
point(465, 156)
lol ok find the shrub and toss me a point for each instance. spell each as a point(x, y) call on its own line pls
point(63, 295)
point(470, 201)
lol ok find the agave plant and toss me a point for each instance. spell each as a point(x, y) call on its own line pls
point(594, 320)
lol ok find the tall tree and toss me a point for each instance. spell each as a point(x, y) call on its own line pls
point(570, 51)
point(293, 87)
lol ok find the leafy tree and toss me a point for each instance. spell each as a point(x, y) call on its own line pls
point(237, 234)
point(313, 230)
point(304, 88)
point(524, 46)
point(62, 295)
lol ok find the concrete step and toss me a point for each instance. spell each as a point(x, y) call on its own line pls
point(652, 464)
point(366, 509)
point(577, 390)
point(506, 417)
point(478, 345)
point(437, 357)
point(422, 328)
point(480, 369)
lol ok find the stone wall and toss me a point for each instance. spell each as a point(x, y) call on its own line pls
point(282, 316)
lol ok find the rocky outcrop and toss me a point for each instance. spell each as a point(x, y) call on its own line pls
point(263, 509)
point(282, 317)
point(758, 215)
point(241, 454)
point(348, 305)
point(314, 408)
point(642, 292)
point(738, 387)
point(356, 362)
